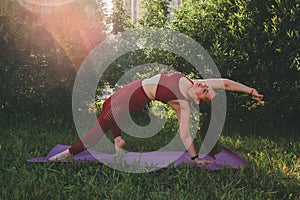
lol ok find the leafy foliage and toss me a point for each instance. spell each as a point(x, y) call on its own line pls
point(39, 58)
point(119, 19)
point(156, 13)
point(253, 42)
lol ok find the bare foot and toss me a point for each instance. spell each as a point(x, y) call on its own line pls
point(61, 156)
point(119, 144)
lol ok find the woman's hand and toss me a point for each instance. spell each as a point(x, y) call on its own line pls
point(258, 97)
point(203, 162)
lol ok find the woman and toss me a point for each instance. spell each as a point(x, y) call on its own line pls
point(174, 89)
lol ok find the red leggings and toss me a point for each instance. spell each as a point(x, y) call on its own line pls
point(114, 108)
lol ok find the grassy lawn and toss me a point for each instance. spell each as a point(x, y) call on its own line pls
point(272, 172)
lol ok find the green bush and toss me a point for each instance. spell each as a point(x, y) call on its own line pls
point(37, 65)
point(253, 42)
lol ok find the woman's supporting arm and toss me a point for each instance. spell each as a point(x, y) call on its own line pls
point(182, 109)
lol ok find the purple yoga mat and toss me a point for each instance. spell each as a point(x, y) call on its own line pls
point(160, 159)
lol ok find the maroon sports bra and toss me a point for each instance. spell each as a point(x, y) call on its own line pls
point(168, 87)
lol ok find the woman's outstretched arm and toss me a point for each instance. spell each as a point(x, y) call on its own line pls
point(233, 86)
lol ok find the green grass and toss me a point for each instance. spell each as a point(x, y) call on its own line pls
point(272, 172)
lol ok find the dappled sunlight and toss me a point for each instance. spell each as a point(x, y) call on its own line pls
point(273, 155)
point(73, 24)
point(29, 4)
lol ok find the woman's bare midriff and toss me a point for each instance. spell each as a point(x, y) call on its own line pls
point(150, 86)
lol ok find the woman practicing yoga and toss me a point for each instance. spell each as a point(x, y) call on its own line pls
point(174, 89)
